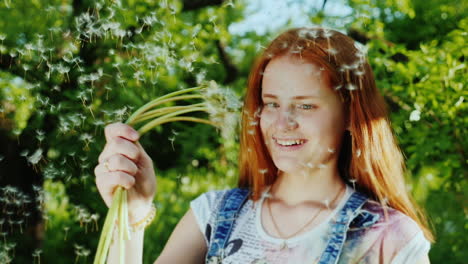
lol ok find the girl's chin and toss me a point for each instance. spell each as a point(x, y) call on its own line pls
point(289, 165)
point(295, 165)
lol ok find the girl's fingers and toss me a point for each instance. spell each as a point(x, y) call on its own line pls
point(108, 181)
point(120, 146)
point(145, 159)
point(118, 162)
point(120, 130)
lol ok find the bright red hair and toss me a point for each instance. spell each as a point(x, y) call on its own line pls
point(369, 155)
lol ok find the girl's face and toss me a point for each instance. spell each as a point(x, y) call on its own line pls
point(302, 119)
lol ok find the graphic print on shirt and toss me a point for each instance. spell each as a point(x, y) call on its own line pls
point(232, 246)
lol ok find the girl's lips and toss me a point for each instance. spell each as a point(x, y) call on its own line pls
point(290, 148)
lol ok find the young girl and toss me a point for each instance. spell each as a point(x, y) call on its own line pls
point(321, 176)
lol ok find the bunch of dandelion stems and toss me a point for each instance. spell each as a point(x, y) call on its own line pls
point(118, 212)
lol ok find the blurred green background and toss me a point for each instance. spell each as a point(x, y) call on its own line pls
point(69, 67)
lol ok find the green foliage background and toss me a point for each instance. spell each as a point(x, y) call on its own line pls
point(69, 67)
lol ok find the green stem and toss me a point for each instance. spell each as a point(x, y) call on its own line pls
point(126, 225)
point(152, 123)
point(161, 100)
point(173, 119)
point(122, 227)
point(108, 228)
point(158, 112)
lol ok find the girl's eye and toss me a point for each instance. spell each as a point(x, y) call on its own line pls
point(306, 106)
point(274, 105)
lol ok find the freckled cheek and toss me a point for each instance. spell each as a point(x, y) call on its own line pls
point(265, 126)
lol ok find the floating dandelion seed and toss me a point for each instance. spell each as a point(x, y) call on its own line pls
point(415, 115)
point(229, 3)
point(312, 33)
point(24, 153)
point(326, 33)
point(351, 87)
point(360, 74)
point(332, 51)
point(362, 51)
point(64, 70)
point(66, 228)
point(26, 68)
point(321, 166)
point(353, 182)
point(37, 254)
point(358, 153)
point(345, 68)
point(172, 139)
point(40, 135)
point(35, 157)
point(384, 201)
point(302, 33)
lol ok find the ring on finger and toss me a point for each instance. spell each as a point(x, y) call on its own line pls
point(106, 164)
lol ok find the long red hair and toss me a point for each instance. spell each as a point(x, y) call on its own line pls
point(369, 158)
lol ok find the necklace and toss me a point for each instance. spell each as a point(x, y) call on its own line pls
point(282, 236)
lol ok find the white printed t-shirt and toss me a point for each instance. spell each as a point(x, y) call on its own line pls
point(249, 243)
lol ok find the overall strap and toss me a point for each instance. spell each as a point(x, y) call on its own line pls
point(340, 227)
point(229, 209)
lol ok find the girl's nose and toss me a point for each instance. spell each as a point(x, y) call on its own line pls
point(286, 120)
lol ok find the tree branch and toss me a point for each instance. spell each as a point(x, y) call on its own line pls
point(230, 68)
point(190, 5)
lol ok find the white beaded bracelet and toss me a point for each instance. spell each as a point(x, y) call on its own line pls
point(146, 221)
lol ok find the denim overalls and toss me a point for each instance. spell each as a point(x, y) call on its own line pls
point(350, 216)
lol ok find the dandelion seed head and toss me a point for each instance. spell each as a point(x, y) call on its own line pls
point(223, 106)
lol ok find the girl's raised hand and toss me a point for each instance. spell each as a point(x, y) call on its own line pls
point(124, 162)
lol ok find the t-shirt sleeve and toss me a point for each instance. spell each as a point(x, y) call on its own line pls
point(416, 249)
point(203, 208)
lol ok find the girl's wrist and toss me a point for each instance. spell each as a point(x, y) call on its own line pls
point(141, 216)
point(136, 213)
